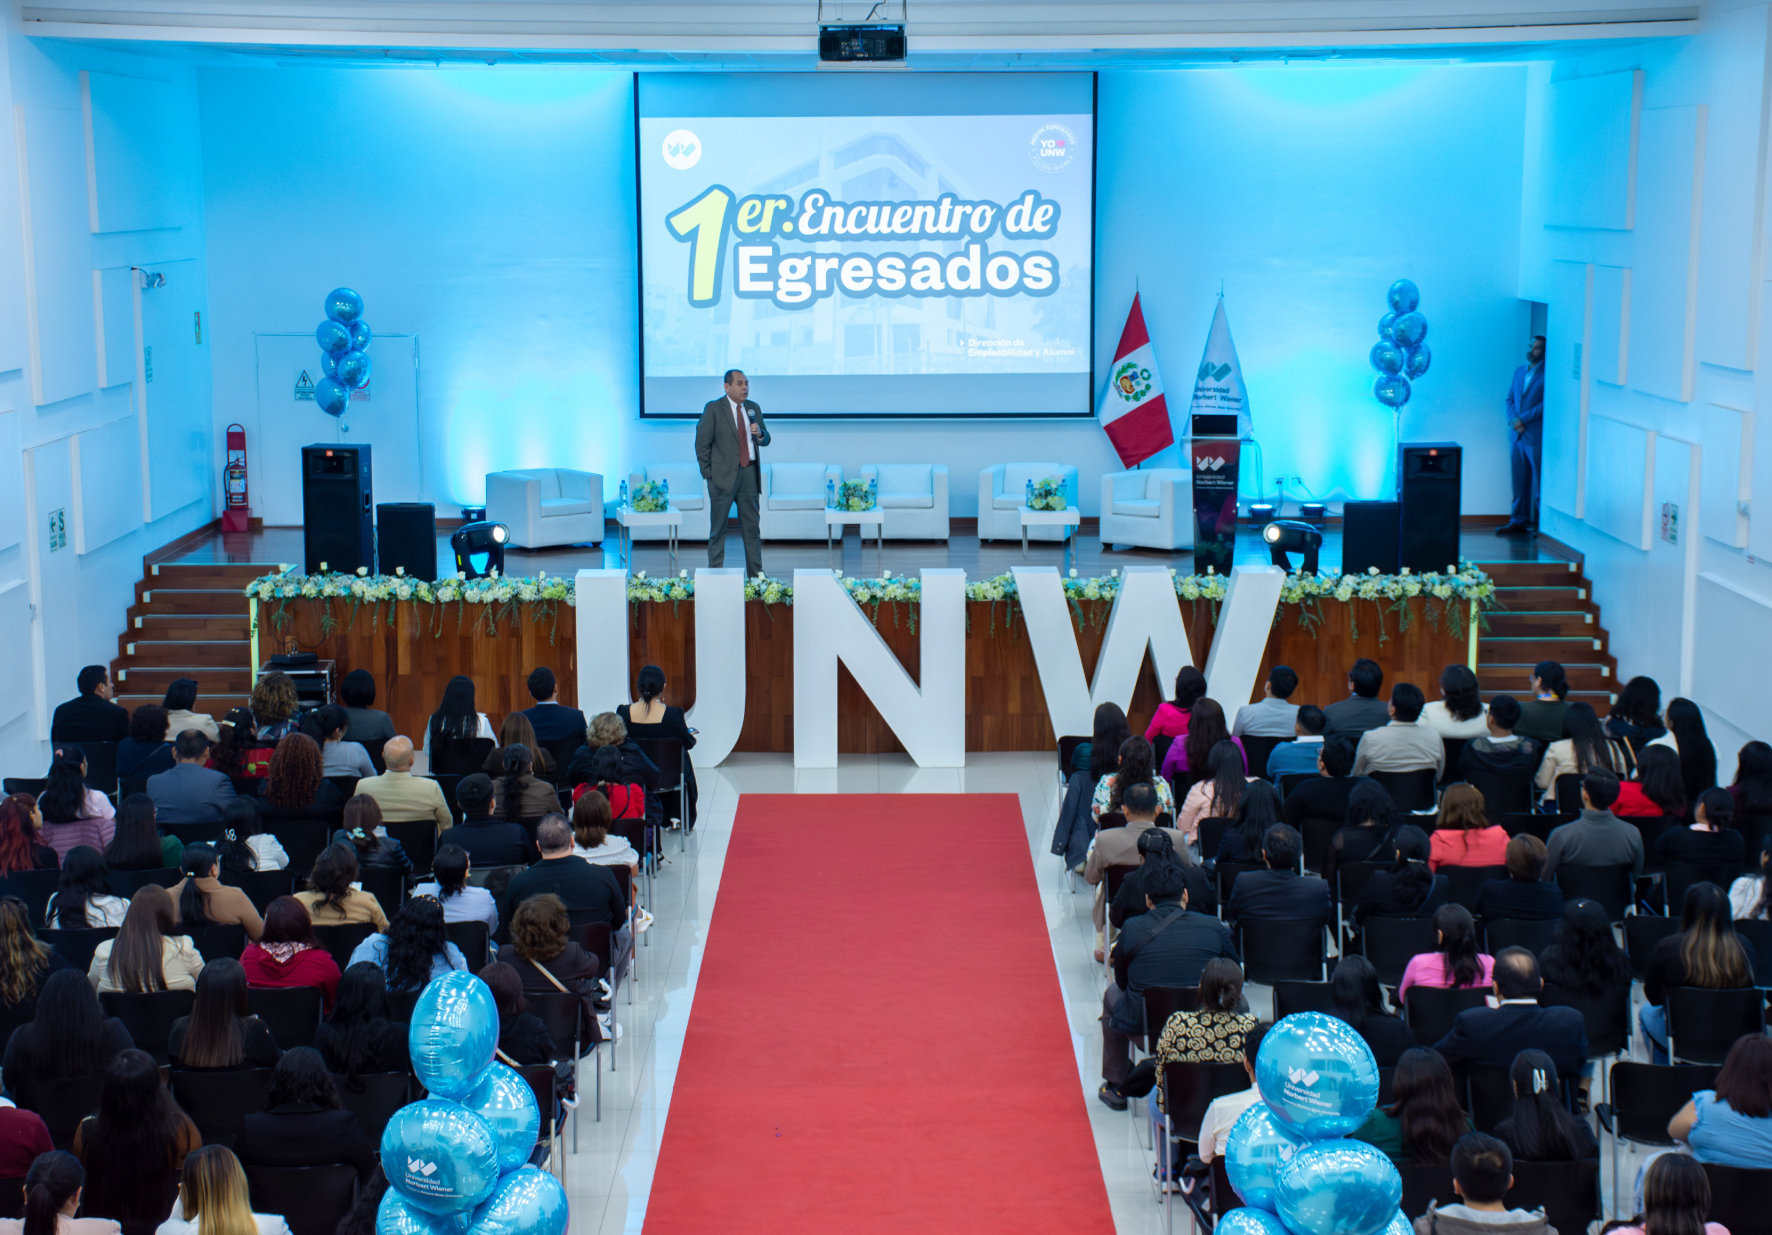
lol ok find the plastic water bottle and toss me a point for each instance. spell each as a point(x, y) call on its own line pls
point(664, 491)
point(830, 493)
point(624, 493)
point(1030, 494)
point(873, 492)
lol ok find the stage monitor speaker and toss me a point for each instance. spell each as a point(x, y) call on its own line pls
point(337, 507)
point(1431, 480)
point(1369, 537)
point(406, 539)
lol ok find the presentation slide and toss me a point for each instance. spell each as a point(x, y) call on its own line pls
point(915, 246)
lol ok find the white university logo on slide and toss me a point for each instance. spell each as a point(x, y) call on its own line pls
point(1052, 147)
point(682, 149)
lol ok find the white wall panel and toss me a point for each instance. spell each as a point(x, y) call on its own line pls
point(1726, 483)
point(58, 265)
point(12, 484)
point(1734, 189)
point(1620, 479)
point(17, 689)
point(1611, 325)
point(114, 319)
point(1566, 356)
point(1591, 154)
point(1664, 288)
point(1732, 659)
point(107, 484)
point(132, 153)
point(178, 431)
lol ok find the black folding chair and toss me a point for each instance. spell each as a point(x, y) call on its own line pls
point(1642, 931)
point(62, 1102)
point(346, 786)
point(1533, 935)
point(1284, 951)
point(1464, 882)
point(1758, 933)
point(1424, 1186)
point(565, 1017)
point(1538, 825)
point(127, 883)
point(1163, 1002)
point(1188, 1089)
point(1738, 1198)
point(263, 887)
point(1645, 1097)
point(418, 837)
point(1502, 795)
point(1319, 837)
point(1606, 1015)
point(302, 840)
point(1212, 835)
point(219, 1102)
point(33, 785)
point(1568, 792)
point(458, 757)
point(101, 765)
point(34, 888)
point(386, 884)
point(1390, 943)
point(1703, 1024)
point(1650, 828)
point(401, 1005)
point(291, 1013)
point(373, 748)
point(1613, 886)
point(667, 755)
point(77, 946)
point(219, 940)
point(311, 1199)
point(544, 1081)
point(148, 1016)
point(193, 833)
point(1257, 750)
point(12, 1197)
point(374, 1103)
point(1679, 876)
point(1290, 997)
point(1568, 1192)
point(1411, 791)
point(1227, 879)
point(1293, 780)
point(342, 940)
point(1350, 880)
point(1430, 1010)
point(1487, 1096)
point(1454, 748)
point(474, 940)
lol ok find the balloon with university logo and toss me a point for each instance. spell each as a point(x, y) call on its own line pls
point(440, 1156)
point(1339, 1187)
point(1317, 1075)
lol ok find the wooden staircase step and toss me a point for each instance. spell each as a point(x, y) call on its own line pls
point(181, 600)
point(217, 706)
point(1509, 678)
point(1530, 649)
point(1562, 599)
point(1531, 574)
point(1542, 624)
point(185, 626)
point(187, 654)
point(233, 575)
point(210, 681)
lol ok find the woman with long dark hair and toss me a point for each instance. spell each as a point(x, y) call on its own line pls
point(70, 1035)
point(356, 691)
point(303, 1123)
point(221, 1032)
point(461, 900)
point(1100, 755)
point(1585, 744)
point(239, 735)
point(21, 837)
point(1173, 716)
point(339, 756)
point(1256, 813)
point(288, 954)
point(1424, 1120)
point(1584, 958)
point(362, 831)
point(145, 752)
point(1752, 788)
point(1188, 756)
point(1751, 895)
point(1659, 789)
point(295, 788)
point(1541, 1129)
point(650, 718)
point(330, 898)
point(181, 698)
point(148, 954)
point(361, 1036)
point(1676, 1198)
point(610, 777)
point(1137, 765)
point(202, 899)
point(1358, 999)
point(245, 846)
point(517, 793)
point(1687, 737)
point(25, 960)
point(52, 1198)
point(515, 730)
point(455, 723)
point(1707, 953)
point(83, 899)
point(1366, 833)
point(137, 845)
point(1457, 963)
point(415, 949)
point(1711, 839)
point(1218, 794)
point(1636, 717)
point(1458, 712)
point(72, 814)
point(134, 1143)
point(1410, 888)
point(1731, 1124)
point(1463, 835)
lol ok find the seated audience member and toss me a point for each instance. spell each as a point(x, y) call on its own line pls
point(1279, 893)
point(489, 840)
point(71, 813)
point(136, 844)
point(1404, 744)
point(90, 716)
point(607, 729)
point(1687, 738)
point(70, 1035)
point(365, 723)
point(1216, 795)
point(213, 1197)
point(53, 1184)
point(1112, 846)
point(1271, 716)
point(403, 797)
point(650, 718)
point(549, 962)
point(137, 1139)
point(522, 1035)
point(83, 898)
point(1156, 846)
point(148, 953)
point(221, 1033)
point(1658, 790)
point(1256, 813)
point(1482, 1173)
point(456, 721)
point(1423, 1121)
point(1487, 1039)
point(1584, 957)
point(1223, 1112)
point(294, 787)
point(201, 899)
point(288, 955)
point(1362, 709)
point(274, 704)
point(594, 842)
point(552, 720)
point(1188, 756)
point(25, 961)
point(245, 846)
point(233, 753)
point(1158, 950)
point(515, 730)
point(461, 900)
point(1172, 716)
point(1585, 744)
point(1752, 788)
point(517, 793)
point(363, 831)
point(1211, 1033)
point(21, 837)
point(627, 798)
point(332, 899)
point(1523, 896)
point(1100, 755)
point(1410, 888)
point(1463, 835)
point(1136, 767)
point(1636, 717)
point(188, 792)
point(1458, 712)
point(1300, 755)
point(144, 752)
point(594, 893)
point(1710, 840)
point(1747, 895)
point(1541, 717)
point(1707, 953)
point(1731, 1124)
point(1368, 831)
point(1499, 753)
point(1598, 838)
point(1456, 962)
point(339, 755)
point(361, 1037)
point(1358, 999)
point(303, 1123)
point(1676, 1197)
point(415, 949)
point(1325, 796)
point(1541, 1129)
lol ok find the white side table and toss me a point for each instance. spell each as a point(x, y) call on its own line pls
point(670, 518)
point(1068, 518)
point(861, 518)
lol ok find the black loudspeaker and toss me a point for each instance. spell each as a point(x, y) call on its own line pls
point(1369, 538)
point(1430, 490)
point(406, 539)
point(337, 508)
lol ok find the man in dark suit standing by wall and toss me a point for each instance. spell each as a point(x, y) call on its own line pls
point(728, 439)
point(1525, 421)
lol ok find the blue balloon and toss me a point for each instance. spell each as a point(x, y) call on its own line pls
point(334, 339)
point(1400, 1225)
point(1384, 357)
point(1409, 329)
point(1385, 325)
point(1392, 390)
point(440, 1155)
point(353, 370)
point(1317, 1075)
point(1420, 357)
point(331, 395)
point(1241, 1222)
point(454, 1034)
point(396, 1216)
point(1339, 1188)
point(360, 335)
point(1403, 296)
point(343, 305)
point(527, 1202)
point(329, 363)
point(1258, 1146)
point(507, 1104)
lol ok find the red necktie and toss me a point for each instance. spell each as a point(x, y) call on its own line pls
point(744, 436)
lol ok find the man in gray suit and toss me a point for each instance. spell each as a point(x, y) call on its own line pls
point(728, 438)
point(190, 792)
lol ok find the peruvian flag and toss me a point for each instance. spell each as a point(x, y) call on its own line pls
point(1131, 408)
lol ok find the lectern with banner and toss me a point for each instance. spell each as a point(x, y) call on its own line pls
point(1213, 449)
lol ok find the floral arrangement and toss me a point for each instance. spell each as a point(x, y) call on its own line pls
point(651, 496)
point(857, 495)
point(1047, 495)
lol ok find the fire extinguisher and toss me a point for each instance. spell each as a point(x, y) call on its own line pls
point(234, 516)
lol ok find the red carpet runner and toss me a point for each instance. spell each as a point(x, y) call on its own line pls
point(878, 1041)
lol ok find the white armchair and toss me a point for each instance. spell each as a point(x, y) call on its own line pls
point(913, 499)
point(792, 502)
point(1002, 490)
point(1152, 509)
point(689, 494)
point(547, 506)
